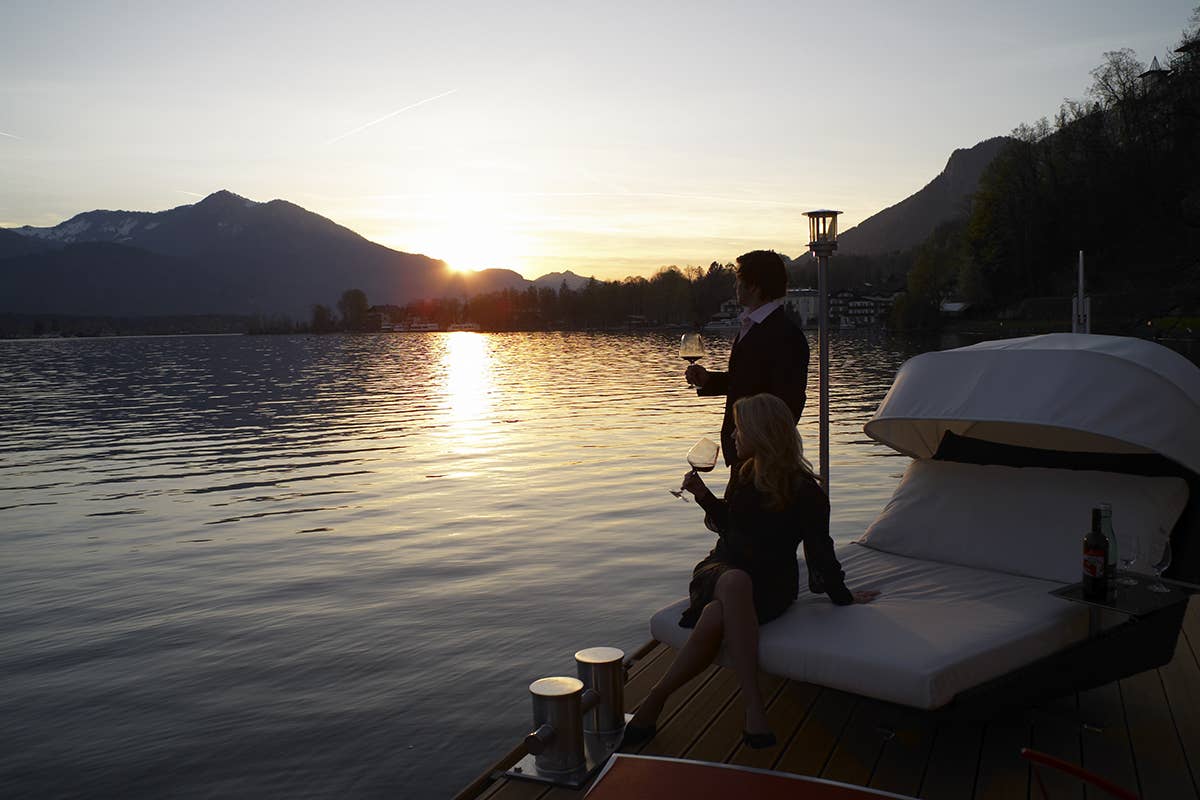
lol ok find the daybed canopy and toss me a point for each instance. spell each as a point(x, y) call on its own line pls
point(1059, 391)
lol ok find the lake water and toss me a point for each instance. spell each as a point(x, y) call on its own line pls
point(331, 566)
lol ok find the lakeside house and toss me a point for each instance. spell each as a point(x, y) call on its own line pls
point(804, 306)
point(954, 308)
point(382, 320)
point(847, 309)
point(726, 319)
point(850, 309)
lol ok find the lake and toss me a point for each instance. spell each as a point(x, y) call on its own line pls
point(331, 566)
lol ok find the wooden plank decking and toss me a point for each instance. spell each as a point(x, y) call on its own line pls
point(1142, 732)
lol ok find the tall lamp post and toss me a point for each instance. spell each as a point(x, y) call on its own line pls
point(1081, 306)
point(822, 241)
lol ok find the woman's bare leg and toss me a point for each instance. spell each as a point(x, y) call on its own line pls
point(735, 590)
point(697, 653)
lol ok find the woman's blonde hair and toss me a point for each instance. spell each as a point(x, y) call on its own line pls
point(777, 465)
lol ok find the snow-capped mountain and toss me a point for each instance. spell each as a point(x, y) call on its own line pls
point(93, 226)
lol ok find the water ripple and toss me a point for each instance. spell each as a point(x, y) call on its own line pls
point(185, 609)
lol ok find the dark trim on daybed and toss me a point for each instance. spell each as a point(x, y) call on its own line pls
point(1133, 646)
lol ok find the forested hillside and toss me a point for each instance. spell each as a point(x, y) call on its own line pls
point(1116, 175)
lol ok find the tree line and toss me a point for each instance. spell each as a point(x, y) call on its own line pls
point(672, 296)
point(675, 296)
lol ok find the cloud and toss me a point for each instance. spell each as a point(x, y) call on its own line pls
point(389, 116)
point(193, 194)
point(9, 135)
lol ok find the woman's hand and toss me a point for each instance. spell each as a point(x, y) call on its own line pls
point(694, 483)
point(864, 596)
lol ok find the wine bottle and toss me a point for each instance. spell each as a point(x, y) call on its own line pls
point(1095, 561)
point(1110, 568)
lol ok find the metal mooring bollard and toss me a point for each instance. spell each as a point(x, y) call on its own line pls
point(557, 737)
point(563, 749)
point(600, 669)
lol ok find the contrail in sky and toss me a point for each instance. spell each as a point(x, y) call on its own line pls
point(193, 194)
point(9, 135)
point(389, 116)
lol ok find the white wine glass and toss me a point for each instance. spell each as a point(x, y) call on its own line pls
point(1160, 567)
point(701, 458)
point(1128, 553)
point(691, 348)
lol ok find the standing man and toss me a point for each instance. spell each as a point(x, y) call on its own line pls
point(770, 353)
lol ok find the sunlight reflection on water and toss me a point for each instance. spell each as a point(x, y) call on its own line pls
point(267, 565)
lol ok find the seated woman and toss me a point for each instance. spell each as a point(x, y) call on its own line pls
point(772, 504)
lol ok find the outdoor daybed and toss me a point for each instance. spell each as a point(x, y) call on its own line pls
point(1014, 442)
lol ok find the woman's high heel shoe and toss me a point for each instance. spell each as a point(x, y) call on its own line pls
point(758, 741)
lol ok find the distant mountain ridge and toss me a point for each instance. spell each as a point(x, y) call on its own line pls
point(225, 254)
point(14, 244)
point(912, 220)
point(555, 280)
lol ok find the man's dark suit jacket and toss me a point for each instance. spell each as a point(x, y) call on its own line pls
point(772, 357)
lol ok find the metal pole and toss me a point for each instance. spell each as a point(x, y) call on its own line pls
point(1081, 280)
point(1081, 306)
point(1085, 303)
point(823, 348)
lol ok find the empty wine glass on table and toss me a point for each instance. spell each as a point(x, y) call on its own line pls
point(1160, 567)
point(691, 347)
point(1128, 555)
point(701, 458)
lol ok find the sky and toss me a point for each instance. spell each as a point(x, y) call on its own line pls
point(610, 138)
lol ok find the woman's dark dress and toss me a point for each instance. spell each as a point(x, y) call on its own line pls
point(763, 543)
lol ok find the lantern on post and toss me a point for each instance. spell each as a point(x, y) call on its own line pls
point(822, 242)
point(822, 232)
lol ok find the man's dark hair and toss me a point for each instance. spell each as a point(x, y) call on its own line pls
point(763, 270)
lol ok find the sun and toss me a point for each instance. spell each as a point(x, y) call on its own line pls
point(470, 233)
point(470, 245)
point(468, 251)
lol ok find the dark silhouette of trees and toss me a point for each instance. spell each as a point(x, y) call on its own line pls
point(353, 307)
point(1116, 81)
point(322, 320)
point(686, 296)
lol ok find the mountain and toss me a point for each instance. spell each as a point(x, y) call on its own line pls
point(223, 255)
point(555, 280)
point(14, 244)
point(105, 279)
point(486, 280)
point(912, 220)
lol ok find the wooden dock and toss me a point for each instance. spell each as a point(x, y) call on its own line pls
point(1142, 732)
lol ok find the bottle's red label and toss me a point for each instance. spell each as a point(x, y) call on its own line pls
point(1093, 563)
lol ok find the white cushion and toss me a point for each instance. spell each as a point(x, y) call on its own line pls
point(936, 630)
point(1024, 520)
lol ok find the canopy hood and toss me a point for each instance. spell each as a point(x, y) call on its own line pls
point(1060, 391)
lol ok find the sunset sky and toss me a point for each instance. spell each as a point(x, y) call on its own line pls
point(606, 138)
